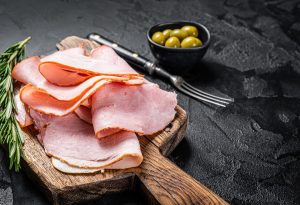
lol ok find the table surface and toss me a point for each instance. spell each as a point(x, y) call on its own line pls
point(249, 152)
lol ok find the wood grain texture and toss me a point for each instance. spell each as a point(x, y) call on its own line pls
point(163, 180)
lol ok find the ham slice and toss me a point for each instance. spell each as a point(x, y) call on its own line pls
point(106, 53)
point(38, 99)
point(66, 138)
point(64, 167)
point(67, 68)
point(41, 122)
point(88, 108)
point(22, 117)
point(86, 103)
point(84, 113)
point(133, 108)
point(27, 73)
point(57, 97)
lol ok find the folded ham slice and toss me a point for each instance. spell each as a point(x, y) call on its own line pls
point(67, 68)
point(40, 122)
point(64, 167)
point(84, 113)
point(73, 141)
point(27, 72)
point(133, 108)
point(22, 116)
point(105, 53)
point(38, 99)
point(88, 108)
point(57, 97)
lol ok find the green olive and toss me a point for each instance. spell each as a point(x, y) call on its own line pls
point(173, 42)
point(191, 30)
point(180, 34)
point(167, 33)
point(191, 42)
point(158, 37)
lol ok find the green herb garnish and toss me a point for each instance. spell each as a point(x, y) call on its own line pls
point(10, 131)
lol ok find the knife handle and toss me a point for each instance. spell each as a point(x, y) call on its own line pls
point(130, 56)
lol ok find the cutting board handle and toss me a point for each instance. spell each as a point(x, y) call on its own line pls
point(168, 184)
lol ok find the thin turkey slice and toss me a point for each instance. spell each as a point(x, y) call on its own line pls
point(144, 109)
point(73, 141)
point(22, 116)
point(60, 68)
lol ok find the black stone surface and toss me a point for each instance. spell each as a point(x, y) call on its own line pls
point(249, 152)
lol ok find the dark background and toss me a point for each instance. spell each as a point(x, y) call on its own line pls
point(249, 152)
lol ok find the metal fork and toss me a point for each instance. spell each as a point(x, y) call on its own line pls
point(177, 81)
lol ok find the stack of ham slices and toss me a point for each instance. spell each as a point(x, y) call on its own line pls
point(89, 109)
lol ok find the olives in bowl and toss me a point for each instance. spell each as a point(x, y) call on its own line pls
point(185, 37)
point(178, 46)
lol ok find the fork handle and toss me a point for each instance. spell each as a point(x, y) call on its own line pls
point(130, 56)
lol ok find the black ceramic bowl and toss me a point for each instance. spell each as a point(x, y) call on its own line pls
point(179, 60)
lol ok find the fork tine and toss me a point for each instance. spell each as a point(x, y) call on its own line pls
point(207, 94)
point(199, 97)
point(204, 96)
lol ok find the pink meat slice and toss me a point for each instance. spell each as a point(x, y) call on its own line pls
point(27, 72)
point(108, 54)
point(73, 141)
point(76, 51)
point(39, 100)
point(22, 116)
point(144, 109)
point(45, 97)
point(84, 113)
point(41, 122)
point(66, 168)
point(74, 65)
point(61, 100)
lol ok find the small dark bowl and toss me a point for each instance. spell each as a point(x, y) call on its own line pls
point(179, 60)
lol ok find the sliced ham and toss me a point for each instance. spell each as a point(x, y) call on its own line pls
point(88, 108)
point(38, 99)
point(133, 108)
point(86, 103)
point(106, 53)
point(41, 122)
point(73, 141)
point(65, 168)
point(57, 97)
point(22, 116)
point(71, 66)
point(27, 72)
point(76, 51)
point(84, 113)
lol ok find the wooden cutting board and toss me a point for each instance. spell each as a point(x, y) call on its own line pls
point(160, 179)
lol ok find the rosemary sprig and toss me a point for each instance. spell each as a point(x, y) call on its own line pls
point(10, 131)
